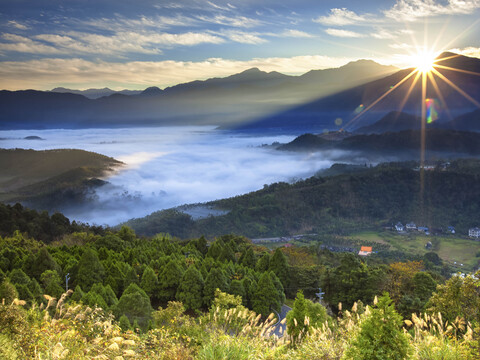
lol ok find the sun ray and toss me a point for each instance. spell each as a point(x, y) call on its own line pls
point(457, 70)
point(446, 58)
point(410, 89)
point(439, 94)
point(460, 91)
point(380, 98)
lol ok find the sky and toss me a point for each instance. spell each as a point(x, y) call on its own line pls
point(124, 44)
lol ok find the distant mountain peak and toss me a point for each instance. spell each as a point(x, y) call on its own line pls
point(252, 70)
point(152, 90)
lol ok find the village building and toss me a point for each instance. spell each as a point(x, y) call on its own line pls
point(411, 226)
point(365, 251)
point(399, 227)
point(474, 232)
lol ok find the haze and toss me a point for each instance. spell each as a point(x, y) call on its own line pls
point(168, 167)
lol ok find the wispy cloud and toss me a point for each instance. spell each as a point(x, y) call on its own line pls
point(410, 10)
point(244, 37)
point(232, 21)
point(22, 44)
point(121, 23)
point(343, 33)
point(468, 51)
point(118, 44)
point(296, 34)
point(17, 25)
point(340, 17)
point(79, 73)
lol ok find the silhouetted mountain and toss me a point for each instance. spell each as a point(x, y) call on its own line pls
point(347, 109)
point(467, 122)
point(436, 140)
point(151, 91)
point(242, 97)
point(95, 93)
point(393, 121)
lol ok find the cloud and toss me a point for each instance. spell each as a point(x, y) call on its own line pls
point(468, 51)
point(142, 23)
point(46, 74)
point(17, 25)
point(402, 46)
point(340, 17)
point(244, 37)
point(410, 10)
point(296, 34)
point(233, 21)
point(22, 44)
point(118, 44)
point(343, 33)
point(383, 34)
point(166, 171)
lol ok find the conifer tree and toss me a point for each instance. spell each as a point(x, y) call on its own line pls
point(263, 263)
point(149, 282)
point(90, 270)
point(169, 280)
point(216, 279)
point(190, 289)
point(380, 336)
point(278, 264)
point(248, 258)
point(237, 288)
point(266, 296)
point(135, 304)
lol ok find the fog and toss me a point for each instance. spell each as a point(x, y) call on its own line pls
point(170, 166)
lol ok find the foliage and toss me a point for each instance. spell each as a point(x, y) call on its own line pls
point(191, 288)
point(134, 304)
point(380, 335)
point(458, 298)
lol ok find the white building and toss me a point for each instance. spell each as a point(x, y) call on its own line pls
point(411, 226)
point(474, 232)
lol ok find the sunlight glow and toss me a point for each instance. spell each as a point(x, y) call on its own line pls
point(423, 61)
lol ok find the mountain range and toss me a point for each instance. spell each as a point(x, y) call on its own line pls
point(246, 96)
point(95, 93)
point(340, 109)
point(258, 101)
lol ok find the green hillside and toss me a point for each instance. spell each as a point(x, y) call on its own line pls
point(339, 204)
point(47, 178)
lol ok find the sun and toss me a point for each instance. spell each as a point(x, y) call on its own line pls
point(423, 61)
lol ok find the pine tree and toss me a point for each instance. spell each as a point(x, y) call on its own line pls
point(296, 325)
point(135, 304)
point(380, 336)
point(190, 289)
point(90, 270)
point(263, 263)
point(248, 258)
point(266, 296)
point(149, 282)
point(169, 280)
point(124, 323)
point(201, 245)
point(278, 264)
point(236, 288)
point(216, 279)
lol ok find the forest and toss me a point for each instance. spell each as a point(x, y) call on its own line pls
point(367, 198)
point(162, 297)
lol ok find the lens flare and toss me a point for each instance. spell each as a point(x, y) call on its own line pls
point(423, 61)
point(431, 113)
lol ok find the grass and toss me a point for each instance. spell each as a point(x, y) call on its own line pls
point(450, 248)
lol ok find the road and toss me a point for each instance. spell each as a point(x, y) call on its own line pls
point(281, 328)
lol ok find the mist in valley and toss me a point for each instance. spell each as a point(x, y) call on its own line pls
point(170, 166)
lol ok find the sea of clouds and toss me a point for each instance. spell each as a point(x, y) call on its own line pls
point(170, 166)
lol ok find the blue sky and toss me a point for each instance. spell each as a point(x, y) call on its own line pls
point(135, 44)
